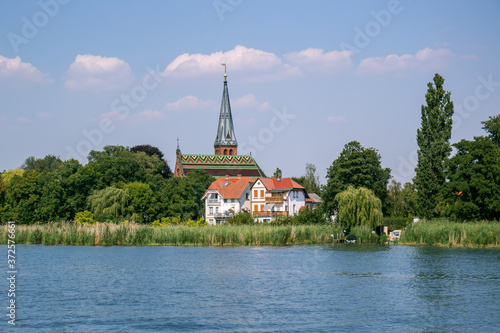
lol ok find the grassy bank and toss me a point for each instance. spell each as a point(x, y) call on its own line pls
point(453, 234)
point(135, 234)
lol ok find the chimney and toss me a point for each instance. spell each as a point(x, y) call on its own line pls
point(227, 177)
point(239, 176)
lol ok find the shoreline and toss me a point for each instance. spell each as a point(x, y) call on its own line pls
point(429, 233)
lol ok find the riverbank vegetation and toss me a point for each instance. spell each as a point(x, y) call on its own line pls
point(452, 234)
point(107, 234)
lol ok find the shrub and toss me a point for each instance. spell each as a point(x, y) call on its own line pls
point(85, 217)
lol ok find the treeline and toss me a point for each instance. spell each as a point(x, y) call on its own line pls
point(116, 184)
point(465, 187)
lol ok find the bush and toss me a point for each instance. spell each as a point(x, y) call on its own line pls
point(241, 218)
point(85, 217)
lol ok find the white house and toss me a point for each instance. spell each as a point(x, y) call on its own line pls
point(225, 197)
point(273, 197)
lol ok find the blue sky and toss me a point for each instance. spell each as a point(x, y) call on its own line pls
point(305, 78)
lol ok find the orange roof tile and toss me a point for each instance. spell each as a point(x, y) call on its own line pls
point(230, 188)
point(284, 183)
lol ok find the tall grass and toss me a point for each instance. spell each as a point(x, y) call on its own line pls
point(453, 234)
point(135, 234)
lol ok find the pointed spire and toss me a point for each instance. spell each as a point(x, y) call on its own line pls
point(225, 130)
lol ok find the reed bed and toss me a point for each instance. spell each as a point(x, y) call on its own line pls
point(107, 234)
point(452, 234)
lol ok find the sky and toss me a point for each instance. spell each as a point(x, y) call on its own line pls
point(304, 77)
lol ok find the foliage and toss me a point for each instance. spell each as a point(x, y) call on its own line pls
point(141, 199)
point(434, 148)
point(402, 200)
point(453, 234)
point(473, 190)
point(110, 203)
point(278, 173)
point(241, 218)
point(136, 234)
point(149, 150)
point(358, 207)
point(85, 217)
point(8, 175)
point(47, 164)
point(358, 167)
point(492, 126)
point(310, 180)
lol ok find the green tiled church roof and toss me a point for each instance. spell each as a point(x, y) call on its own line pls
point(222, 165)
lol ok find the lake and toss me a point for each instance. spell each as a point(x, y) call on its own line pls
point(338, 288)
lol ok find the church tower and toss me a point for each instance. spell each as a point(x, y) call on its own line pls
point(225, 142)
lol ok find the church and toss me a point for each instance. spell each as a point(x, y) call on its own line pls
point(225, 161)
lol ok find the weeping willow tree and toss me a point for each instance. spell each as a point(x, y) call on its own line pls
point(110, 202)
point(358, 207)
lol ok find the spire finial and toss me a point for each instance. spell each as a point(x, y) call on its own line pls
point(225, 73)
point(178, 147)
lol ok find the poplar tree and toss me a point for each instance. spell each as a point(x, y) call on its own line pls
point(434, 148)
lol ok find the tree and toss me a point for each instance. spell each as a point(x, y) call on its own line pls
point(358, 206)
point(473, 190)
point(311, 179)
point(8, 175)
point(109, 203)
point(48, 163)
point(278, 173)
point(434, 148)
point(154, 151)
point(492, 126)
point(358, 167)
point(141, 199)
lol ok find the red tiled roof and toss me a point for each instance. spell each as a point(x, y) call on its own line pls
point(230, 188)
point(284, 183)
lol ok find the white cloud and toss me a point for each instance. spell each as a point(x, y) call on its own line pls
point(258, 64)
point(89, 72)
point(22, 119)
point(249, 101)
point(150, 115)
point(336, 119)
point(316, 60)
point(188, 103)
point(14, 70)
point(425, 60)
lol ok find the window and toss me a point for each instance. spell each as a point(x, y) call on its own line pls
point(216, 210)
point(262, 207)
point(255, 194)
point(255, 208)
point(261, 193)
point(247, 195)
point(225, 200)
point(211, 210)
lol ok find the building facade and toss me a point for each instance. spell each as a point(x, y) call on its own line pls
point(275, 197)
point(225, 197)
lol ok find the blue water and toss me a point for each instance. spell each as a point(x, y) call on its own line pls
point(338, 288)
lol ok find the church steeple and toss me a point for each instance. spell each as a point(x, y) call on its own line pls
point(225, 142)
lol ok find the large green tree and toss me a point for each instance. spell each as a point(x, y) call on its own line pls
point(358, 207)
point(473, 189)
point(433, 146)
point(166, 172)
point(356, 166)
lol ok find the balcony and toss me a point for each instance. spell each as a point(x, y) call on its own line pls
point(269, 214)
point(214, 202)
point(275, 199)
